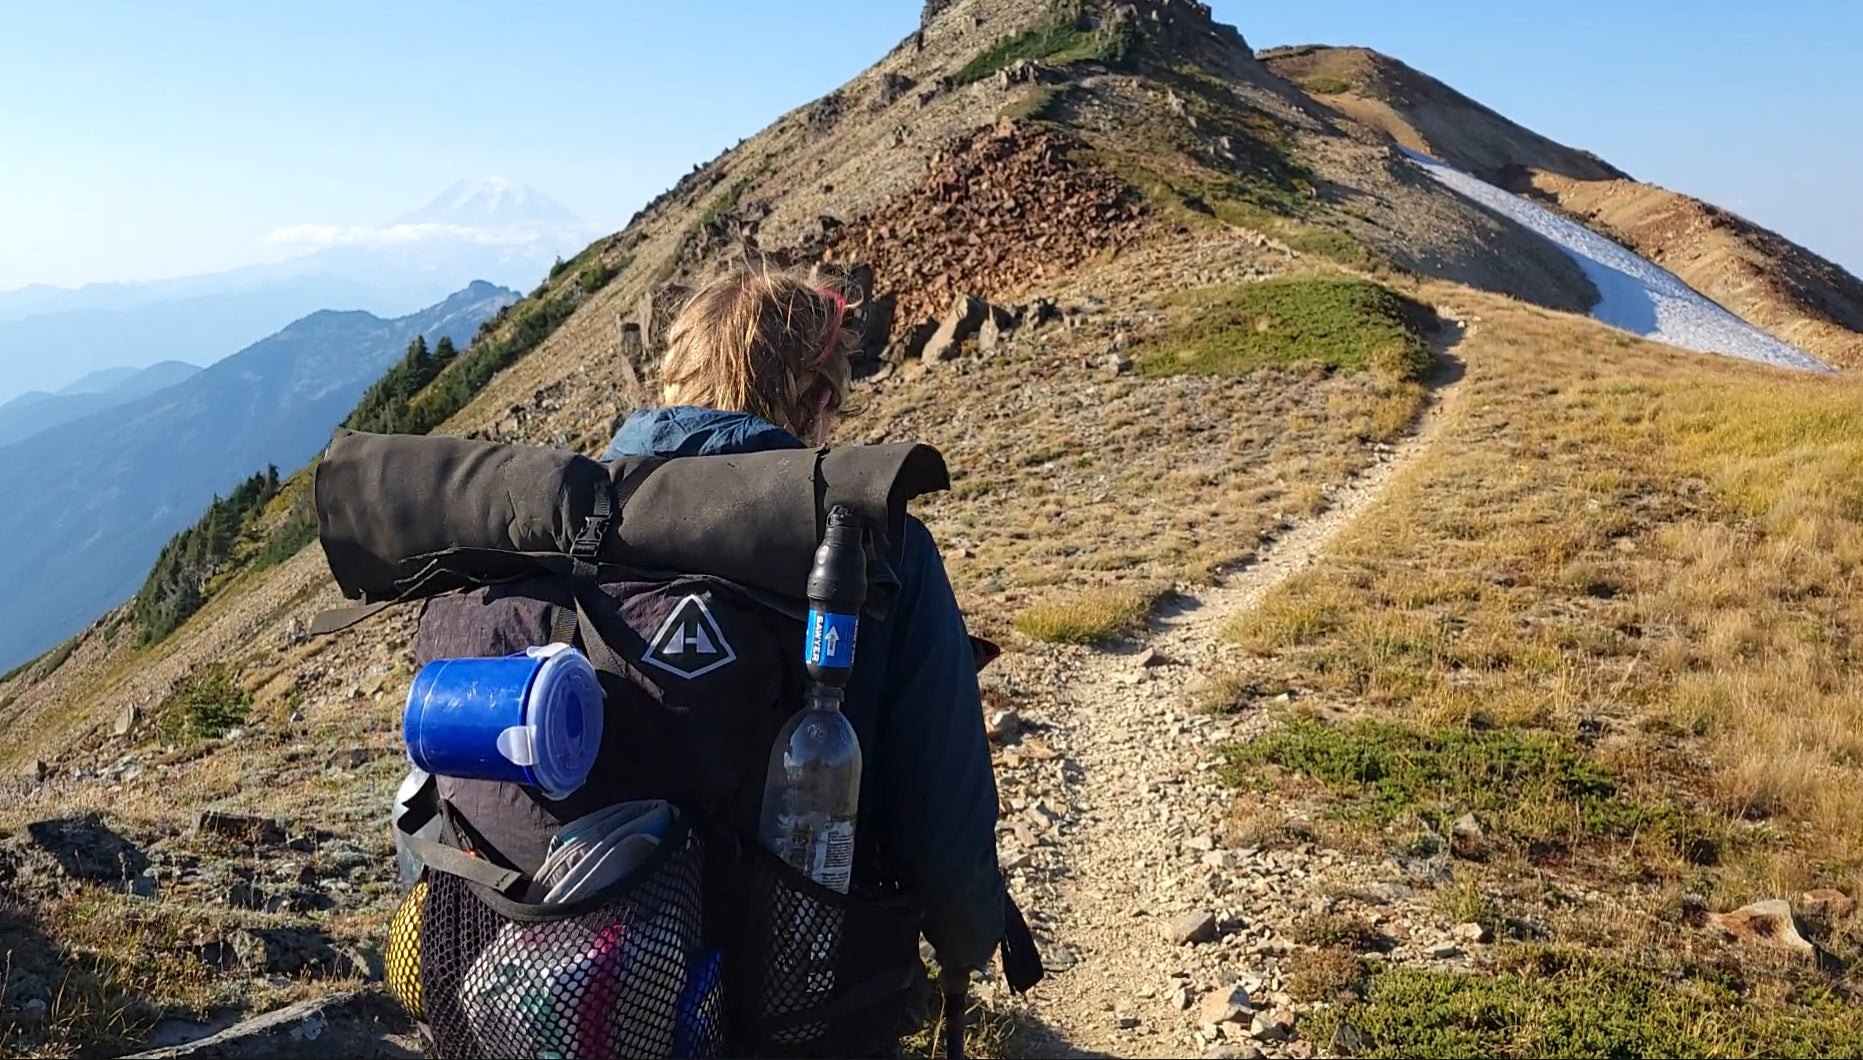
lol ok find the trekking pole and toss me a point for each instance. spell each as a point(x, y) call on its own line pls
point(955, 984)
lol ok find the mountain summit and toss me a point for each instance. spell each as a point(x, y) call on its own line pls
point(1378, 583)
point(493, 203)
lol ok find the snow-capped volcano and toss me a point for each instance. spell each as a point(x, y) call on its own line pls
point(493, 202)
point(489, 211)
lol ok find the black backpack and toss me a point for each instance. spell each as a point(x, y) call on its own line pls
point(681, 581)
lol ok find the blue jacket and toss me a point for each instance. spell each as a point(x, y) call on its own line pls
point(912, 700)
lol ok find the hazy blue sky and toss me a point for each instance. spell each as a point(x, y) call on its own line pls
point(137, 144)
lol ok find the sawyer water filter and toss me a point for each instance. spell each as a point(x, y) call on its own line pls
point(812, 792)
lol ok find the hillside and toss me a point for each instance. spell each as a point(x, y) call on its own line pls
point(36, 410)
point(95, 498)
point(47, 350)
point(1769, 280)
point(1374, 616)
point(492, 230)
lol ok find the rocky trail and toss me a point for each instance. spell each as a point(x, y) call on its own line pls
point(1161, 942)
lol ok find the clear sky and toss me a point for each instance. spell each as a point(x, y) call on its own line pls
point(137, 143)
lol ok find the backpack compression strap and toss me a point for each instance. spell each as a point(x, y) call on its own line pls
point(425, 805)
point(585, 584)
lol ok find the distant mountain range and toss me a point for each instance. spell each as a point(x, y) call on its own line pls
point(91, 501)
point(36, 410)
point(496, 230)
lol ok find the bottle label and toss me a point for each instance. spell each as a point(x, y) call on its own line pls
point(831, 862)
point(830, 642)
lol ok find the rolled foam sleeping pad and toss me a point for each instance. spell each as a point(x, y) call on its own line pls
point(403, 516)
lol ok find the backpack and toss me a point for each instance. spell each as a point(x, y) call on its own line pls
point(681, 581)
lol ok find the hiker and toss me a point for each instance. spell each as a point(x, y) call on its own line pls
point(757, 361)
point(606, 655)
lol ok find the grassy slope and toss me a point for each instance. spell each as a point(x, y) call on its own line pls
point(1075, 485)
point(1614, 614)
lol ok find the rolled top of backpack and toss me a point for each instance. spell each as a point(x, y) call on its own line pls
point(402, 517)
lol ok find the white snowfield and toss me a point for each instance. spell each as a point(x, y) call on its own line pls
point(1635, 294)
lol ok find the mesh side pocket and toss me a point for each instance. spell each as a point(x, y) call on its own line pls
point(625, 974)
point(824, 973)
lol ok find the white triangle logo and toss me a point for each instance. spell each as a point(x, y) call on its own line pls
point(689, 643)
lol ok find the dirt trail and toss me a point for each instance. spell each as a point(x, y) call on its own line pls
point(1114, 840)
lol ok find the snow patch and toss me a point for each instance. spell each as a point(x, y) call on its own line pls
point(1635, 294)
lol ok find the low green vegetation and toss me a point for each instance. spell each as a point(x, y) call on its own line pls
point(726, 201)
point(1326, 85)
point(1272, 189)
point(1068, 34)
point(296, 528)
point(207, 703)
point(1557, 1002)
point(1598, 614)
point(384, 406)
point(527, 324)
point(597, 275)
point(1091, 617)
point(1338, 323)
point(1534, 788)
point(177, 585)
point(1035, 104)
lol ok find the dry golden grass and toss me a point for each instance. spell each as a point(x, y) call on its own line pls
point(1093, 616)
point(1651, 553)
point(1068, 478)
point(109, 966)
point(1615, 611)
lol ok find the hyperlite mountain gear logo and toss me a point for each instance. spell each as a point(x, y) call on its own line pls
point(690, 642)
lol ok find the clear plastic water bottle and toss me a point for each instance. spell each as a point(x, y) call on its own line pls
point(813, 792)
point(811, 795)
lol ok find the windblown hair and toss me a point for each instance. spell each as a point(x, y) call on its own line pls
point(753, 340)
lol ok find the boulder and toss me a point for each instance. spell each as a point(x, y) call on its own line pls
point(960, 322)
point(1001, 725)
point(1348, 1040)
point(910, 343)
point(998, 322)
point(655, 311)
point(1767, 923)
point(1227, 1005)
point(1472, 932)
point(893, 86)
point(289, 951)
point(259, 831)
point(1827, 903)
point(1192, 927)
point(1026, 72)
point(1468, 839)
point(88, 849)
point(876, 331)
